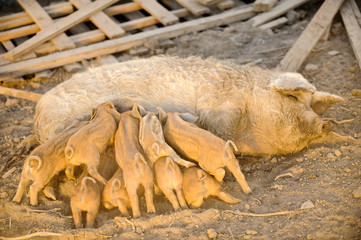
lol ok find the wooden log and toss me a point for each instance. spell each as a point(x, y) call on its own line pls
point(42, 19)
point(264, 5)
point(59, 27)
point(158, 11)
point(20, 94)
point(101, 20)
point(277, 11)
point(352, 28)
point(22, 18)
point(274, 24)
point(123, 43)
point(194, 7)
point(310, 36)
point(33, 28)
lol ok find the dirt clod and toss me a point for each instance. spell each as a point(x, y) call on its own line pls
point(211, 233)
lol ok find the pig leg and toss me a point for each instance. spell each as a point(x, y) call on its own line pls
point(236, 171)
point(122, 206)
point(134, 200)
point(94, 173)
point(76, 215)
point(35, 188)
point(149, 198)
point(181, 198)
point(227, 197)
point(90, 217)
point(171, 197)
point(24, 182)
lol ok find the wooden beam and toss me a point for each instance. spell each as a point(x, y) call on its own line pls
point(225, 4)
point(277, 11)
point(356, 11)
point(123, 43)
point(352, 27)
point(194, 7)
point(59, 27)
point(158, 11)
point(42, 19)
point(310, 36)
point(208, 2)
point(101, 20)
point(20, 94)
point(263, 5)
point(274, 24)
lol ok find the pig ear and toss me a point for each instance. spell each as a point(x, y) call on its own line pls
point(116, 184)
point(110, 105)
point(35, 161)
point(292, 83)
point(321, 101)
point(162, 115)
point(201, 175)
point(93, 113)
point(188, 117)
point(155, 147)
point(169, 161)
point(135, 112)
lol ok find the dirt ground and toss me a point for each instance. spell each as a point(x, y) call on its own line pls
point(316, 196)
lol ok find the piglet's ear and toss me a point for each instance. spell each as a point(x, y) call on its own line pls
point(290, 83)
point(116, 184)
point(162, 115)
point(201, 175)
point(135, 112)
point(321, 101)
point(93, 113)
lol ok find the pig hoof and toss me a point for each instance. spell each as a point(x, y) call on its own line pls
point(247, 190)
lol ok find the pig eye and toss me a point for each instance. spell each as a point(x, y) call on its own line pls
point(292, 97)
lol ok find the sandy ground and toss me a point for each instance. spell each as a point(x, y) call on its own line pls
point(316, 196)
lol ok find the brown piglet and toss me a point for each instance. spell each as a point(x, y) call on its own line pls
point(198, 185)
point(211, 152)
point(86, 145)
point(115, 194)
point(87, 193)
point(43, 163)
point(130, 157)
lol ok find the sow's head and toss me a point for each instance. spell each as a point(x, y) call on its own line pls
point(284, 117)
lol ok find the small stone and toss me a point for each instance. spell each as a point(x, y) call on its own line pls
point(299, 159)
point(352, 69)
point(336, 29)
point(211, 233)
point(330, 156)
point(16, 140)
point(251, 232)
point(356, 92)
point(312, 176)
point(347, 170)
point(246, 206)
point(293, 17)
point(333, 53)
point(308, 204)
point(152, 44)
point(357, 193)
point(338, 153)
point(12, 102)
point(4, 195)
point(274, 160)
point(311, 67)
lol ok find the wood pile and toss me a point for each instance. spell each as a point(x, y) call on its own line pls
point(59, 35)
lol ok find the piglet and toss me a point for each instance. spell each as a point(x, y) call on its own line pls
point(169, 179)
point(43, 163)
point(130, 157)
point(87, 194)
point(115, 194)
point(86, 145)
point(211, 152)
point(198, 185)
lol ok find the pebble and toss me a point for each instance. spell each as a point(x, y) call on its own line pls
point(16, 140)
point(299, 159)
point(311, 67)
point(338, 153)
point(333, 53)
point(274, 160)
point(211, 233)
point(352, 70)
point(4, 195)
point(331, 156)
point(356, 92)
point(251, 232)
point(12, 102)
point(308, 204)
point(246, 206)
point(357, 193)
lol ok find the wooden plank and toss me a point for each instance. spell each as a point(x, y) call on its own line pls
point(277, 11)
point(42, 19)
point(352, 28)
point(264, 5)
point(59, 27)
point(123, 43)
point(101, 20)
point(194, 7)
point(274, 24)
point(356, 11)
point(310, 36)
point(225, 4)
point(158, 11)
point(22, 18)
point(9, 45)
point(208, 2)
point(20, 94)
point(32, 29)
